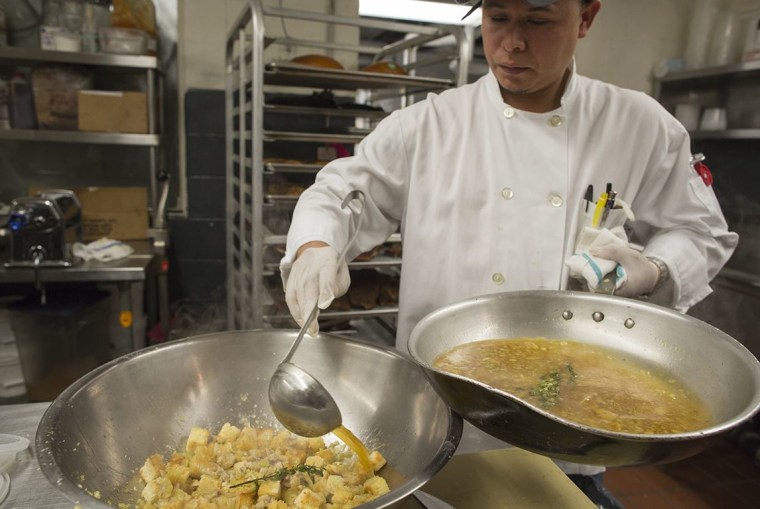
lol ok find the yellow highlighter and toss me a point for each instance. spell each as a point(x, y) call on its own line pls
point(600, 204)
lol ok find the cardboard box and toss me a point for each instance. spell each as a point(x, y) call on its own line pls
point(119, 213)
point(113, 112)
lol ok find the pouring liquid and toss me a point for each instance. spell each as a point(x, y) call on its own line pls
point(354, 444)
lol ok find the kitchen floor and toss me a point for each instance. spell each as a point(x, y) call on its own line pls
point(727, 475)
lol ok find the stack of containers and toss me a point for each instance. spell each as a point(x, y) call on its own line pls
point(12, 384)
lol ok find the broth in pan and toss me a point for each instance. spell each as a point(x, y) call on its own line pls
point(587, 384)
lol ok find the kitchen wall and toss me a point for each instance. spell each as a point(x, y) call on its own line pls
point(629, 37)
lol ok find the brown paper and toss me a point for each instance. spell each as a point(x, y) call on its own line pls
point(501, 479)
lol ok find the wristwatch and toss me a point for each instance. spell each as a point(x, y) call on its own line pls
point(663, 269)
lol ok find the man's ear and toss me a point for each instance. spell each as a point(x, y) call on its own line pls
point(588, 14)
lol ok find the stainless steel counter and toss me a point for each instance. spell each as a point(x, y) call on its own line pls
point(31, 489)
point(132, 268)
point(133, 279)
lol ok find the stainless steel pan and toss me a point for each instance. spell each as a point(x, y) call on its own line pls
point(103, 427)
point(724, 373)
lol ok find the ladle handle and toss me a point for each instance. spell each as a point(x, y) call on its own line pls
point(353, 195)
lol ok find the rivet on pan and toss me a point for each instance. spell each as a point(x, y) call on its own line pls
point(567, 315)
point(598, 316)
point(629, 323)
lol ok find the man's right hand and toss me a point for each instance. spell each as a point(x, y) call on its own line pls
point(315, 279)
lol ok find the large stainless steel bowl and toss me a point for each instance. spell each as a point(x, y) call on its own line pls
point(721, 371)
point(103, 427)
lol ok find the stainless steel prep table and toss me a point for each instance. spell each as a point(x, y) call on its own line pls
point(131, 276)
point(528, 481)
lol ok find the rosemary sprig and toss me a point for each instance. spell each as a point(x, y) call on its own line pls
point(548, 388)
point(282, 474)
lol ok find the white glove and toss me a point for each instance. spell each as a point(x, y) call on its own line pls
point(642, 273)
point(315, 278)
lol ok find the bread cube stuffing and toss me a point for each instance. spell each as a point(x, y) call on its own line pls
point(208, 484)
point(271, 488)
point(316, 461)
point(377, 460)
point(152, 468)
point(307, 499)
point(269, 469)
point(198, 436)
point(228, 433)
point(156, 489)
point(376, 485)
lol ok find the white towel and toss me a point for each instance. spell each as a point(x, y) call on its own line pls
point(103, 249)
point(591, 269)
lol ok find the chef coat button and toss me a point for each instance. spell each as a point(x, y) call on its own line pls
point(556, 120)
point(556, 201)
point(509, 112)
point(507, 193)
point(498, 278)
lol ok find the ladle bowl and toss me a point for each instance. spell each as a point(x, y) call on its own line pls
point(301, 403)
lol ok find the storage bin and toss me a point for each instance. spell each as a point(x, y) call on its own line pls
point(56, 95)
point(12, 384)
point(126, 41)
point(60, 341)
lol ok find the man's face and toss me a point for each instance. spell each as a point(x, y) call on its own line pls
point(529, 48)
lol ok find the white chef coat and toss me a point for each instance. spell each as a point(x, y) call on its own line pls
point(487, 197)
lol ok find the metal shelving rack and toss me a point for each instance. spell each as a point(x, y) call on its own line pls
point(136, 63)
point(716, 84)
point(151, 67)
point(718, 79)
point(248, 77)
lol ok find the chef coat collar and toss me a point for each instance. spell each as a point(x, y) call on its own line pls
point(571, 89)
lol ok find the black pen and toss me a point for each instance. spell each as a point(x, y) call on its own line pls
point(608, 204)
point(589, 195)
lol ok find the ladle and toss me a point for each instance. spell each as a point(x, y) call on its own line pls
point(298, 400)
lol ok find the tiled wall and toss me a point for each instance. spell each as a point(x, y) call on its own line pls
point(197, 245)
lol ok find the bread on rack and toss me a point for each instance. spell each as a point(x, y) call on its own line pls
point(393, 250)
point(281, 160)
point(385, 67)
point(281, 186)
point(318, 61)
point(340, 304)
point(388, 295)
point(364, 289)
point(368, 255)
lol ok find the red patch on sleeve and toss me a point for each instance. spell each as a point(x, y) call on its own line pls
point(704, 172)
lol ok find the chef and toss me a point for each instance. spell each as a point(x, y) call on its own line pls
point(490, 186)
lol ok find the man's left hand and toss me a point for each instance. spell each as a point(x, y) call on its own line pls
point(642, 273)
